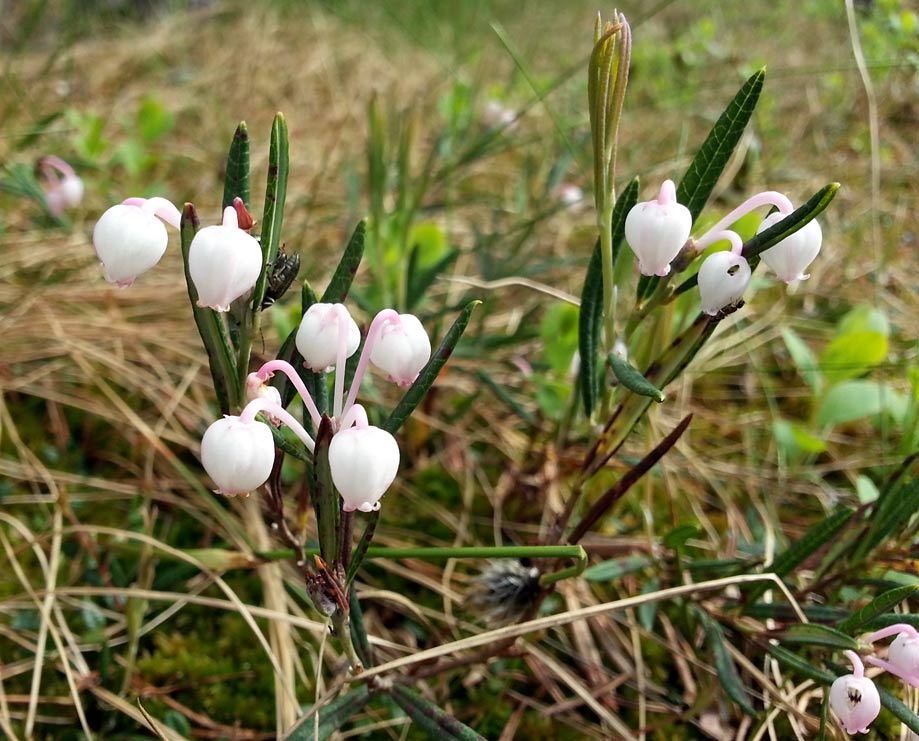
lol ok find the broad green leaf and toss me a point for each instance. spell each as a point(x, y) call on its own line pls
point(332, 716)
point(236, 181)
point(865, 489)
point(152, 120)
point(591, 316)
point(794, 439)
point(864, 318)
point(853, 354)
point(559, 333)
point(616, 568)
point(724, 664)
point(857, 399)
point(815, 634)
point(700, 178)
point(340, 283)
point(879, 605)
point(804, 359)
point(429, 373)
point(221, 356)
point(433, 720)
point(893, 513)
point(275, 198)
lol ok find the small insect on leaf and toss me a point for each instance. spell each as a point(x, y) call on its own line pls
point(283, 273)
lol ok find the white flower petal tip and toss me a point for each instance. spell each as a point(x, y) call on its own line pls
point(364, 462)
point(128, 241)
point(856, 702)
point(224, 263)
point(317, 337)
point(791, 257)
point(657, 230)
point(903, 653)
point(723, 278)
point(64, 194)
point(402, 349)
point(237, 455)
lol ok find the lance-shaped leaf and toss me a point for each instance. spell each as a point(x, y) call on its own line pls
point(892, 514)
point(326, 502)
point(221, 356)
point(332, 716)
point(275, 197)
point(297, 450)
point(814, 634)
point(591, 316)
point(724, 664)
point(632, 379)
point(236, 181)
point(878, 606)
point(358, 629)
point(713, 156)
point(433, 720)
point(429, 373)
point(339, 285)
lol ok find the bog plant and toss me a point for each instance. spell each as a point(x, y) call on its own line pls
point(305, 404)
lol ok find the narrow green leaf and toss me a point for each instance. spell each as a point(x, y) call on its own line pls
point(898, 709)
point(332, 716)
point(814, 539)
point(275, 198)
point(852, 354)
point(293, 449)
point(326, 502)
point(358, 629)
point(630, 377)
point(616, 568)
point(815, 634)
point(236, 181)
point(340, 283)
point(418, 280)
point(856, 399)
point(804, 359)
point(805, 668)
point(430, 718)
point(724, 664)
point(429, 373)
point(892, 514)
point(221, 356)
point(879, 605)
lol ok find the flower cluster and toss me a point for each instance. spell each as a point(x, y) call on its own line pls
point(658, 231)
point(854, 698)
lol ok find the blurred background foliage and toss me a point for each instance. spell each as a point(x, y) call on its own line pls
point(461, 129)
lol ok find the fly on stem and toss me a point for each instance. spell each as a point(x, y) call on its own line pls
point(608, 74)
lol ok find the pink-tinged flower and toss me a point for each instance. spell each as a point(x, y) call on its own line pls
point(130, 238)
point(657, 230)
point(256, 388)
point(237, 454)
point(63, 188)
point(224, 263)
point(318, 336)
point(401, 349)
point(854, 698)
point(903, 653)
point(792, 256)
point(363, 461)
point(723, 278)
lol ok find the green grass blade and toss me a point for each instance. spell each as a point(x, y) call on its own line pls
point(724, 664)
point(221, 356)
point(275, 197)
point(332, 716)
point(892, 514)
point(429, 373)
point(879, 605)
point(340, 283)
point(236, 181)
point(814, 539)
point(815, 634)
point(430, 718)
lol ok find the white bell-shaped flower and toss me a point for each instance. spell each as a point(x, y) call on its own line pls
point(657, 230)
point(723, 278)
point(401, 349)
point(318, 336)
point(129, 240)
point(63, 187)
point(856, 702)
point(792, 256)
point(364, 461)
point(903, 653)
point(237, 455)
point(224, 262)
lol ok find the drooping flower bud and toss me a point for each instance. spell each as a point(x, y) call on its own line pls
point(130, 239)
point(317, 337)
point(657, 230)
point(854, 698)
point(237, 455)
point(723, 278)
point(903, 653)
point(63, 188)
point(363, 461)
point(791, 257)
point(401, 349)
point(224, 262)
point(256, 388)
